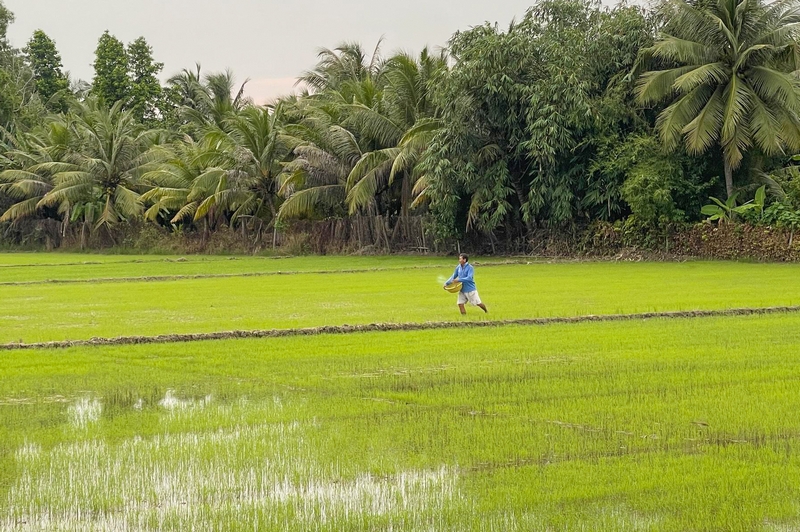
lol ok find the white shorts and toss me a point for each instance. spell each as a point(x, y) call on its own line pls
point(472, 297)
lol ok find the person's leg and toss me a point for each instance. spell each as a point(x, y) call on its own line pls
point(461, 301)
point(475, 299)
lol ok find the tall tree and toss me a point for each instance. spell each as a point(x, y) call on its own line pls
point(145, 88)
point(400, 128)
point(343, 66)
point(230, 175)
point(105, 170)
point(206, 102)
point(19, 108)
point(45, 61)
point(315, 182)
point(253, 148)
point(6, 18)
point(111, 83)
point(30, 162)
point(521, 114)
point(514, 106)
point(182, 182)
point(729, 69)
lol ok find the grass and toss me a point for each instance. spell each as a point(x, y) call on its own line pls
point(662, 425)
point(45, 312)
point(686, 424)
point(15, 269)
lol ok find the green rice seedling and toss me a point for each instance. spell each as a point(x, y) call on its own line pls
point(44, 312)
point(42, 259)
point(683, 424)
point(86, 268)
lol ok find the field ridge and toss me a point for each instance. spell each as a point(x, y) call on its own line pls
point(209, 258)
point(385, 327)
point(156, 278)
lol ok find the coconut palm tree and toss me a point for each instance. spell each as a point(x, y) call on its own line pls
point(207, 100)
point(253, 149)
point(230, 175)
point(112, 153)
point(343, 68)
point(315, 181)
point(355, 140)
point(401, 128)
point(30, 162)
point(728, 67)
point(179, 183)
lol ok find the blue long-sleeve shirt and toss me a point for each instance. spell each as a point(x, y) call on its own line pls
point(465, 274)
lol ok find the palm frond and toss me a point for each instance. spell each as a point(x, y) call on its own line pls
point(108, 216)
point(187, 212)
point(344, 144)
point(20, 210)
point(67, 179)
point(733, 150)
point(675, 49)
point(773, 86)
point(127, 202)
point(304, 202)
point(25, 188)
point(737, 106)
point(290, 181)
point(672, 121)
point(75, 194)
point(12, 176)
point(766, 129)
point(205, 206)
point(656, 85)
point(422, 128)
point(704, 130)
point(712, 74)
point(367, 164)
point(53, 167)
point(374, 125)
point(404, 162)
point(207, 181)
point(363, 191)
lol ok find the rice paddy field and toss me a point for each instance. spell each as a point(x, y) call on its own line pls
point(687, 423)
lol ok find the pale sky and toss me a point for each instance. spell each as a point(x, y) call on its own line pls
point(269, 41)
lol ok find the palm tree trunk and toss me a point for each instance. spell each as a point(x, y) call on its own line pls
point(728, 177)
point(83, 235)
point(405, 202)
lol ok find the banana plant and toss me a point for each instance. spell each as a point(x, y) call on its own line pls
point(725, 211)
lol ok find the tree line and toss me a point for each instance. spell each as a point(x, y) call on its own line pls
point(573, 115)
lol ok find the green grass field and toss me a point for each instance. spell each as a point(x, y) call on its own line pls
point(404, 290)
point(658, 424)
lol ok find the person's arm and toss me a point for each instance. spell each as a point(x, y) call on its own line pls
point(450, 280)
point(467, 274)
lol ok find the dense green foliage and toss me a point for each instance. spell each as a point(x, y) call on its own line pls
point(573, 115)
point(732, 69)
point(111, 83)
point(145, 88)
point(45, 61)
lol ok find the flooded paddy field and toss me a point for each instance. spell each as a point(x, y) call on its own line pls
point(643, 424)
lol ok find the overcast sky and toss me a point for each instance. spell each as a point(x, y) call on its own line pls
point(269, 41)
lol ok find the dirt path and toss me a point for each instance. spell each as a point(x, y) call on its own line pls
point(382, 327)
point(152, 278)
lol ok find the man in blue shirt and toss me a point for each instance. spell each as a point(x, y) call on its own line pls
point(469, 292)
